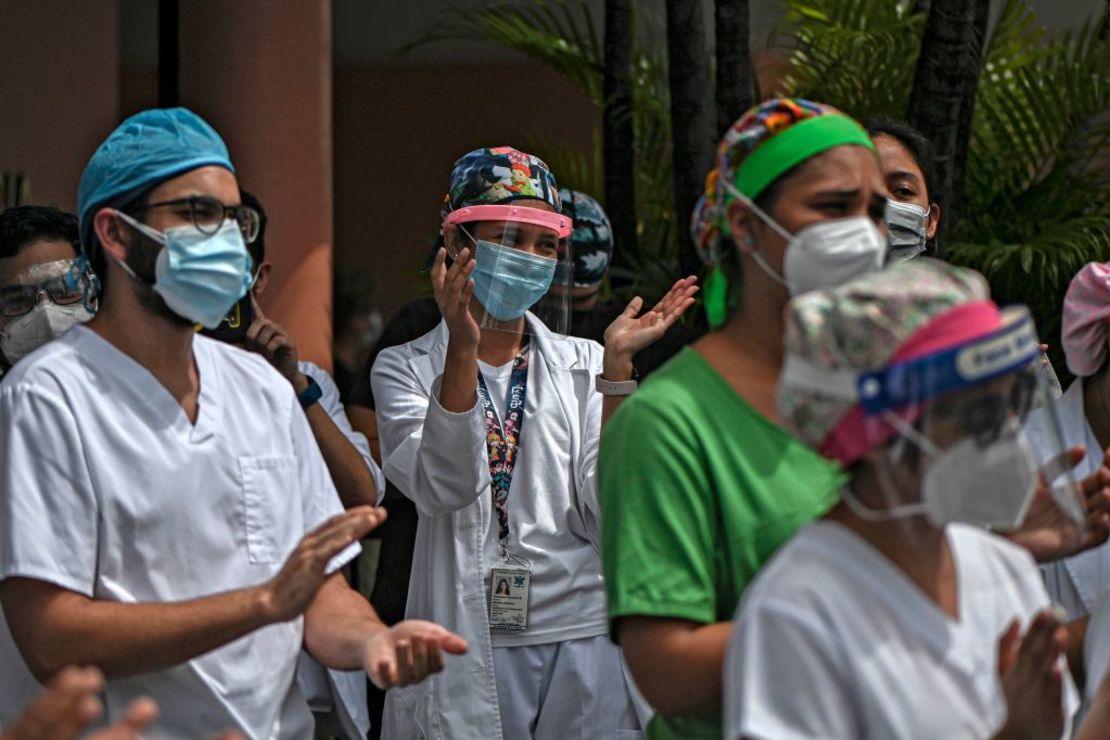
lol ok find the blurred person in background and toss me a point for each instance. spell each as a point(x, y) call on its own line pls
point(44, 288)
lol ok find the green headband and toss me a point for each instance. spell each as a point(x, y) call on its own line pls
point(783, 151)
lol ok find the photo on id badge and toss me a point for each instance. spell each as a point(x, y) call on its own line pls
point(508, 598)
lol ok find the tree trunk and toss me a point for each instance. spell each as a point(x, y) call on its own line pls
point(946, 67)
point(967, 112)
point(618, 136)
point(734, 63)
point(691, 123)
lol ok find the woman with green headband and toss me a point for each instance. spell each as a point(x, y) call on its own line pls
point(699, 483)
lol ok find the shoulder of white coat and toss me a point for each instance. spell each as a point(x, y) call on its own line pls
point(574, 352)
point(422, 345)
point(55, 365)
point(246, 371)
point(993, 551)
point(799, 574)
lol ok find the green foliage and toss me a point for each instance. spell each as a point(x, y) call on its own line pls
point(1036, 202)
point(1037, 191)
point(857, 55)
point(563, 35)
point(1037, 198)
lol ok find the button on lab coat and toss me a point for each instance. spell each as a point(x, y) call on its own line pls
point(438, 459)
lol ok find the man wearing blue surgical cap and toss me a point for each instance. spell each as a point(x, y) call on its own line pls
point(165, 513)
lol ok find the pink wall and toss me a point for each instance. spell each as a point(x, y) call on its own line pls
point(260, 73)
point(398, 130)
point(59, 88)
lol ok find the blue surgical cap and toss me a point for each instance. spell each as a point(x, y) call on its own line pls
point(148, 148)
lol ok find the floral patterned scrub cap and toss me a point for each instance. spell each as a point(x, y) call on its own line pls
point(1087, 320)
point(765, 143)
point(499, 175)
point(907, 311)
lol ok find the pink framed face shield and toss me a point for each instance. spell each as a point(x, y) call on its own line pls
point(557, 222)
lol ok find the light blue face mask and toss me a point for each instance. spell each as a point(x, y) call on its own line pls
point(507, 282)
point(200, 277)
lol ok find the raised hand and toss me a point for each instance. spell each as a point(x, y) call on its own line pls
point(269, 339)
point(1032, 679)
point(409, 652)
point(289, 593)
point(1048, 533)
point(632, 331)
point(453, 289)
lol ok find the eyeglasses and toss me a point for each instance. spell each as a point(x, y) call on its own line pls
point(209, 214)
point(17, 300)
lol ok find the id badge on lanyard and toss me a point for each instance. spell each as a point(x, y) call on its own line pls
point(510, 582)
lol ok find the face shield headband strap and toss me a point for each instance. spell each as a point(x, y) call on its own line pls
point(557, 222)
point(1010, 348)
point(81, 268)
point(934, 366)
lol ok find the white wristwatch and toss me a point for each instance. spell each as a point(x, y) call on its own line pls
point(614, 387)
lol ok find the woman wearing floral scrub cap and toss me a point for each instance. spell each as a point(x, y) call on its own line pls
point(490, 424)
point(898, 615)
point(699, 483)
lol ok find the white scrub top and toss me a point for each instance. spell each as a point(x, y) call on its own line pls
point(1075, 583)
point(108, 490)
point(833, 641)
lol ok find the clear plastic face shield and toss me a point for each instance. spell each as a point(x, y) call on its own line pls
point(945, 439)
point(42, 302)
point(522, 265)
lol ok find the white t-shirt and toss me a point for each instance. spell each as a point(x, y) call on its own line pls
point(567, 599)
point(832, 640)
point(106, 489)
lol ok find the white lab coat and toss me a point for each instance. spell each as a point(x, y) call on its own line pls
point(438, 459)
point(1075, 583)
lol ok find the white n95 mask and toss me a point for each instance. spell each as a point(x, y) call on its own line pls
point(990, 486)
point(822, 255)
point(32, 330)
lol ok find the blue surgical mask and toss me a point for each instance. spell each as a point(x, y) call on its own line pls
point(507, 282)
point(199, 276)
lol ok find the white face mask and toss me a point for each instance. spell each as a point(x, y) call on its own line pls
point(34, 329)
point(990, 486)
point(822, 255)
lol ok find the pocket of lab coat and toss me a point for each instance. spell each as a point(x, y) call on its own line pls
point(268, 518)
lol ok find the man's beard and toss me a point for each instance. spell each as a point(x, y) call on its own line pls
point(142, 257)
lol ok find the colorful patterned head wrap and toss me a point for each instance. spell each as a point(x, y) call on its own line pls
point(765, 143)
point(907, 311)
point(592, 240)
point(1086, 330)
point(499, 175)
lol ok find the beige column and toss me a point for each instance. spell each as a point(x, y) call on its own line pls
point(59, 90)
point(260, 72)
